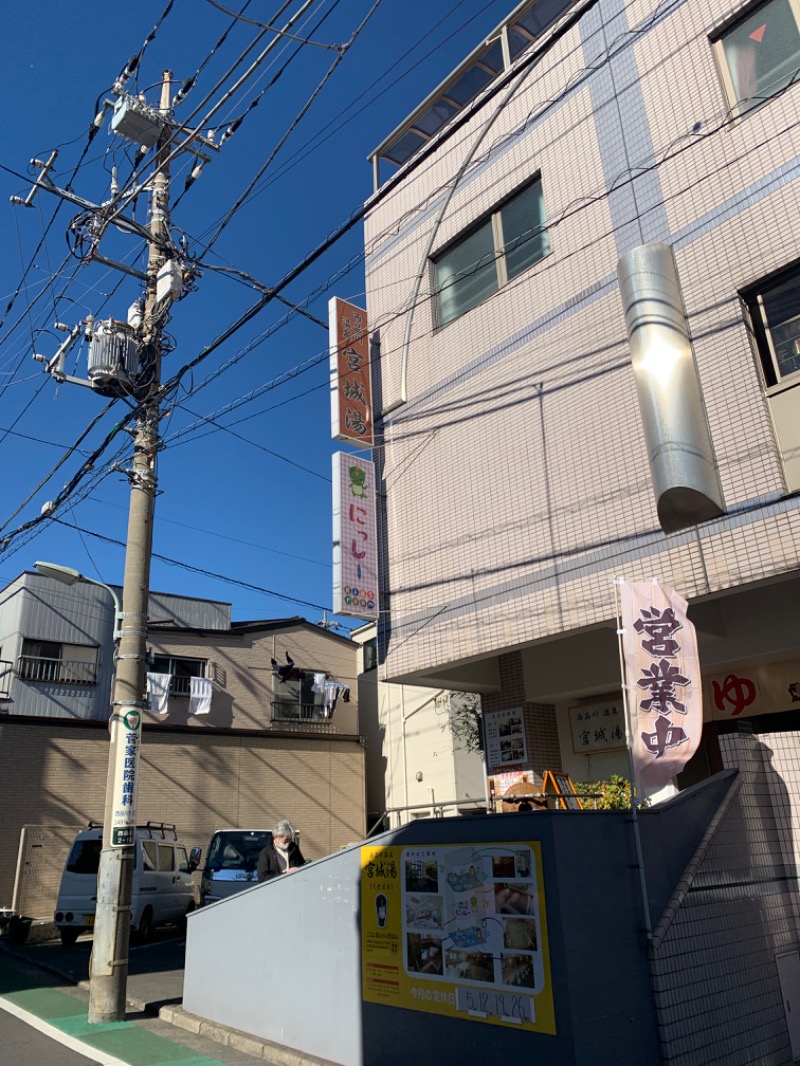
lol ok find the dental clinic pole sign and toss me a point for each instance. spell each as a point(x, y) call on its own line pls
point(355, 546)
point(126, 765)
point(662, 671)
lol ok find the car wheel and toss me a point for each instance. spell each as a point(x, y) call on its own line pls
point(145, 927)
point(183, 921)
point(68, 936)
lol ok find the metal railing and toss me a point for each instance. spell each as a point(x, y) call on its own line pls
point(62, 671)
point(180, 686)
point(283, 711)
point(6, 671)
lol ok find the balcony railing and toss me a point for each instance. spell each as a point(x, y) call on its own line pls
point(59, 671)
point(297, 712)
point(180, 686)
point(6, 670)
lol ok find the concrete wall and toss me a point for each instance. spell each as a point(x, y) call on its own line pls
point(303, 956)
point(53, 773)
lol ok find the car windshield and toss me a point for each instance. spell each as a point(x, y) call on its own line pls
point(84, 857)
point(237, 849)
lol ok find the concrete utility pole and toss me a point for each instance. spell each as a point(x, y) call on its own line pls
point(109, 963)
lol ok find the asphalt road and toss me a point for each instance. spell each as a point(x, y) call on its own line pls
point(155, 969)
point(22, 1045)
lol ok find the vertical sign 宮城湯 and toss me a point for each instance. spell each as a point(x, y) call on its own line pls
point(458, 930)
point(355, 548)
point(351, 385)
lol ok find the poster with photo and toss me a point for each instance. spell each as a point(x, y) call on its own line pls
point(458, 930)
point(505, 739)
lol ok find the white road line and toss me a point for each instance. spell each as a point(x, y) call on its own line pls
point(100, 1057)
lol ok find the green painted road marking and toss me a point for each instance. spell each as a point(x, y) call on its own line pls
point(122, 1042)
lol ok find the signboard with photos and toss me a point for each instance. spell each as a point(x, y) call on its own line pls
point(504, 733)
point(459, 931)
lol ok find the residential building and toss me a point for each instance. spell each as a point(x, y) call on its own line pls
point(261, 747)
point(584, 279)
point(519, 460)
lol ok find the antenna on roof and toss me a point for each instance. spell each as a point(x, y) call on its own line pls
point(325, 624)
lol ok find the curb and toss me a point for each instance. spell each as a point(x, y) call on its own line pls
point(276, 1054)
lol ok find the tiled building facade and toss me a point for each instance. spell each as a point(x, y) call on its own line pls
point(514, 459)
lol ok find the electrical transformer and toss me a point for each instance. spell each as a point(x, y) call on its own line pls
point(133, 119)
point(113, 358)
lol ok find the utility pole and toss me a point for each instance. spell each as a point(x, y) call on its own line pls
point(109, 963)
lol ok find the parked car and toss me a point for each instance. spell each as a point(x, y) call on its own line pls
point(231, 862)
point(163, 889)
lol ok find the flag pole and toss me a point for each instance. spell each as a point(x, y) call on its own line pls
point(648, 928)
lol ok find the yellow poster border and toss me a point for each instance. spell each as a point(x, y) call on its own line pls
point(383, 928)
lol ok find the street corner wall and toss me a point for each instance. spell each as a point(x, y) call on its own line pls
point(714, 950)
point(292, 943)
point(323, 920)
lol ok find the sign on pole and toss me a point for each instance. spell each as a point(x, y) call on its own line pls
point(351, 386)
point(662, 670)
point(126, 765)
point(355, 547)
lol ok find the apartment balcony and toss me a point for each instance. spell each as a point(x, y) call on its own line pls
point(58, 671)
point(297, 712)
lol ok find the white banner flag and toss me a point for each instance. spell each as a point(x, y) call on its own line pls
point(665, 696)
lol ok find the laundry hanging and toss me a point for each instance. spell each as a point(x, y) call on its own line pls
point(333, 690)
point(158, 692)
point(200, 695)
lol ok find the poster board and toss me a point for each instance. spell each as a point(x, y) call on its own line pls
point(504, 736)
point(557, 783)
point(459, 931)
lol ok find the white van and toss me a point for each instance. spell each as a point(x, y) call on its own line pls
point(231, 862)
point(162, 890)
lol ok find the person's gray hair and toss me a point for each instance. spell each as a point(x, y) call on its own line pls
point(282, 829)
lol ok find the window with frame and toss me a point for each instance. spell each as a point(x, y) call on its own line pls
point(298, 699)
point(774, 307)
point(759, 53)
point(180, 670)
point(47, 660)
point(491, 254)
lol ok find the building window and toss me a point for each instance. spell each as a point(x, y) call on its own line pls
point(298, 700)
point(512, 238)
point(68, 664)
point(774, 307)
point(181, 672)
point(370, 654)
point(759, 53)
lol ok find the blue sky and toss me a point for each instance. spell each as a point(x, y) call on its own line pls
point(251, 502)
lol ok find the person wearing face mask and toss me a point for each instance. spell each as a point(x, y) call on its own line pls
point(282, 855)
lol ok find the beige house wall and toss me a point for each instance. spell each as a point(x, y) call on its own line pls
point(240, 667)
point(53, 774)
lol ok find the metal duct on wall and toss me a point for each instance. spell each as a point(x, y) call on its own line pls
point(682, 463)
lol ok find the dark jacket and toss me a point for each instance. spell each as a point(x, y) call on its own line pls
point(269, 865)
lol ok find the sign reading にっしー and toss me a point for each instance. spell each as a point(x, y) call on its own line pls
point(355, 547)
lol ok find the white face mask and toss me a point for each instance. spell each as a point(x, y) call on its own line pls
point(282, 844)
